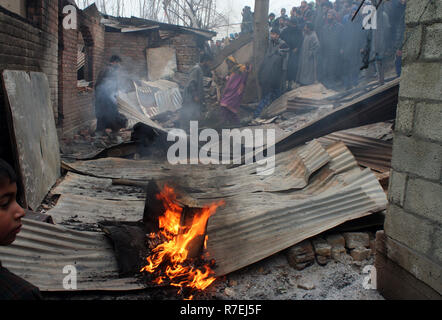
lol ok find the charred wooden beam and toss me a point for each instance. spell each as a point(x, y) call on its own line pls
point(153, 208)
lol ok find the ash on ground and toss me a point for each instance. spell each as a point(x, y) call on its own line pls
point(269, 279)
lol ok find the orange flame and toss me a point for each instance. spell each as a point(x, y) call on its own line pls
point(175, 250)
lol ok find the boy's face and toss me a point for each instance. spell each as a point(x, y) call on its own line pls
point(10, 212)
point(274, 36)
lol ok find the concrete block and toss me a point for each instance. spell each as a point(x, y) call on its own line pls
point(433, 42)
point(408, 229)
point(421, 81)
point(424, 198)
point(428, 122)
point(412, 46)
point(396, 189)
point(409, 154)
point(405, 116)
point(418, 11)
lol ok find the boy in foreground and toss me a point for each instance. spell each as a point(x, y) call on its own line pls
point(12, 287)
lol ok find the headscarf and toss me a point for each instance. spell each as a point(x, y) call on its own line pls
point(237, 67)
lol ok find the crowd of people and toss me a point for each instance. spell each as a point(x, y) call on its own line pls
point(321, 42)
point(333, 43)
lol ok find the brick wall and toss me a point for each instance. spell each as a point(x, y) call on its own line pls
point(77, 107)
point(131, 47)
point(32, 44)
point(187, 51)
point(414, 216)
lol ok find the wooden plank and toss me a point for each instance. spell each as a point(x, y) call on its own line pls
point(28, 103)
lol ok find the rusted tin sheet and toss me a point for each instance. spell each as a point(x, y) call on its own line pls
point(84, 213)
point(41, 252)
point(98, 188)
point(369, 152)
point(376, 106)
point(254, 226)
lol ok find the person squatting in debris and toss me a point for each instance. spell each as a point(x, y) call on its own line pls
point(271, 73)
point(233, 90)
point(12, 287)
point(106, 91)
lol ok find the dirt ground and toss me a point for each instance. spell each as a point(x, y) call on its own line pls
point(269, 279)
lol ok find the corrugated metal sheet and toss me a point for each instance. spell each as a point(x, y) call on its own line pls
point(250, 228)
point(369, 152)
point(98, 188)
point(42, 250)
point(375, 106)
point(84, 212)
point(167, 94)
point(312, 190)
point(34, 135)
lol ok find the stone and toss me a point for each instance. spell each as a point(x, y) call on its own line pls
point(338, 252)
point(321, 247)
point(322, 251)
point(335, 240)
point(233, 283)
point(301, 255)
point(306, 285)
point(229, 292)
point(360, 253)
point(356, 239)
point(322, 260)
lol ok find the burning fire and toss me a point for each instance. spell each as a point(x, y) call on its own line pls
point(174, 251)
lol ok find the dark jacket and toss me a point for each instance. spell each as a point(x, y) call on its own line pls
point(13, 287)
